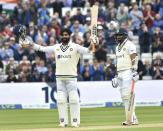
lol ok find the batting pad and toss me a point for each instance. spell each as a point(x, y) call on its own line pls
point(62, 107)
point(74, 107)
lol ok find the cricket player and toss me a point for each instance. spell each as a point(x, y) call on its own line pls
point(126, 58)
point(67, 57)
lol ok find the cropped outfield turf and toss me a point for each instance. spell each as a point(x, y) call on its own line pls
point(91, 117)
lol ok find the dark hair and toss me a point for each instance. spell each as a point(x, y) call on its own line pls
point(66, 30)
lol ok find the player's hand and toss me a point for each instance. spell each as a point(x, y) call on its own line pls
point(115, 82)
point(135, 76)
point(27, 42)
point(94, 40)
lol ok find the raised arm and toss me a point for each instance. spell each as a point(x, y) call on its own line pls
point(27, 42)
point(49, 49)
point(83, 50)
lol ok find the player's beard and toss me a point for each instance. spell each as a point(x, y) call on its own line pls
point(65, 40)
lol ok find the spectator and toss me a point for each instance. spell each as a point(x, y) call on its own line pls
point(86, 73)
point(11, 77)
point(35, 77)
point(41, 68)
point(101, 14)
point(78, 3)
point(31, 55)
point(33, 9)
point(42, 34)
point(67, 3)
point(155, 5)
point(2, 78)
point(96, 71)
point(149, 16)
point(110, 8)
point(57, 6)
point(4, 20)
point(24, 64)
point(66, 18)
point(158, 34)
point(158, 22)
point(136, 17)
point(141, 69)
point(102, 49)
point(158, 73)
point(88, 15)
point(35, 63)
point(49, 74)
point(110, 40)
point(110, 71)
point(78, 17)
point(158, 60)
point(13, 44)
point(82, 67)
point(32, 32)
point(7, 53)
point(6, 33)
point(18, 12)
point(1, 63)
point(157, 45)
point(75, 25)
point(87, 24)
point(12, 65)
point(87, 39)
point(44, 15)
point(122, 15)
point(30, 13)
point(148, 68)
point(144, 38)
point(51, 61)
point(77, 37)
point(54, 25)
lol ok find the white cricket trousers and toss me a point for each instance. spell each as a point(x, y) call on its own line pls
point(67, 90)
point(125, 85)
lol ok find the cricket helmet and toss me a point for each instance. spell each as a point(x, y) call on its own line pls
point(19, 31)
point(121, 35)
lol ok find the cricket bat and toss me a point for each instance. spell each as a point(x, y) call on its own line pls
point(94, 17)
point(130, 104)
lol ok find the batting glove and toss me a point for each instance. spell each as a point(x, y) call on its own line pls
point(94, 40)
point(135, 76)
point(115, 82)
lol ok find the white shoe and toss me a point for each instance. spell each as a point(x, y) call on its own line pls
point(62, 125)
point(75, 125)
point(135, 122)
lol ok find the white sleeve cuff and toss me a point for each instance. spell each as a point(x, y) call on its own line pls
point(36, 47)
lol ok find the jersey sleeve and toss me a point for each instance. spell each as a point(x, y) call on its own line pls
point(132, 49)
point(81, 49)
point(48, 49)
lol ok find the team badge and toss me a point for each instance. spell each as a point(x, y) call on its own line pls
point(71, 49)
point(124, 49)
point(57, 49)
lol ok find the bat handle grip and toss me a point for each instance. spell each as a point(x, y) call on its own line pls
point(93, 47)
point(133, 83)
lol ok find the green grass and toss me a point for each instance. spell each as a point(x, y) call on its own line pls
point(48, 118)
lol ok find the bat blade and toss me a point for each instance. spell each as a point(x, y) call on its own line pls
point(129, 112)
point(94, 17)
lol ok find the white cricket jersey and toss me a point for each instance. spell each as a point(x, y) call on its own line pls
point(67, 58)
point(123, 53)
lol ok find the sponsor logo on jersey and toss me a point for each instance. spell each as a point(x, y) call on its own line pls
point(120, 56)
point(63, 56)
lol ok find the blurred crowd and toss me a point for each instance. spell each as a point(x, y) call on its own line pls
point(44, 20)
